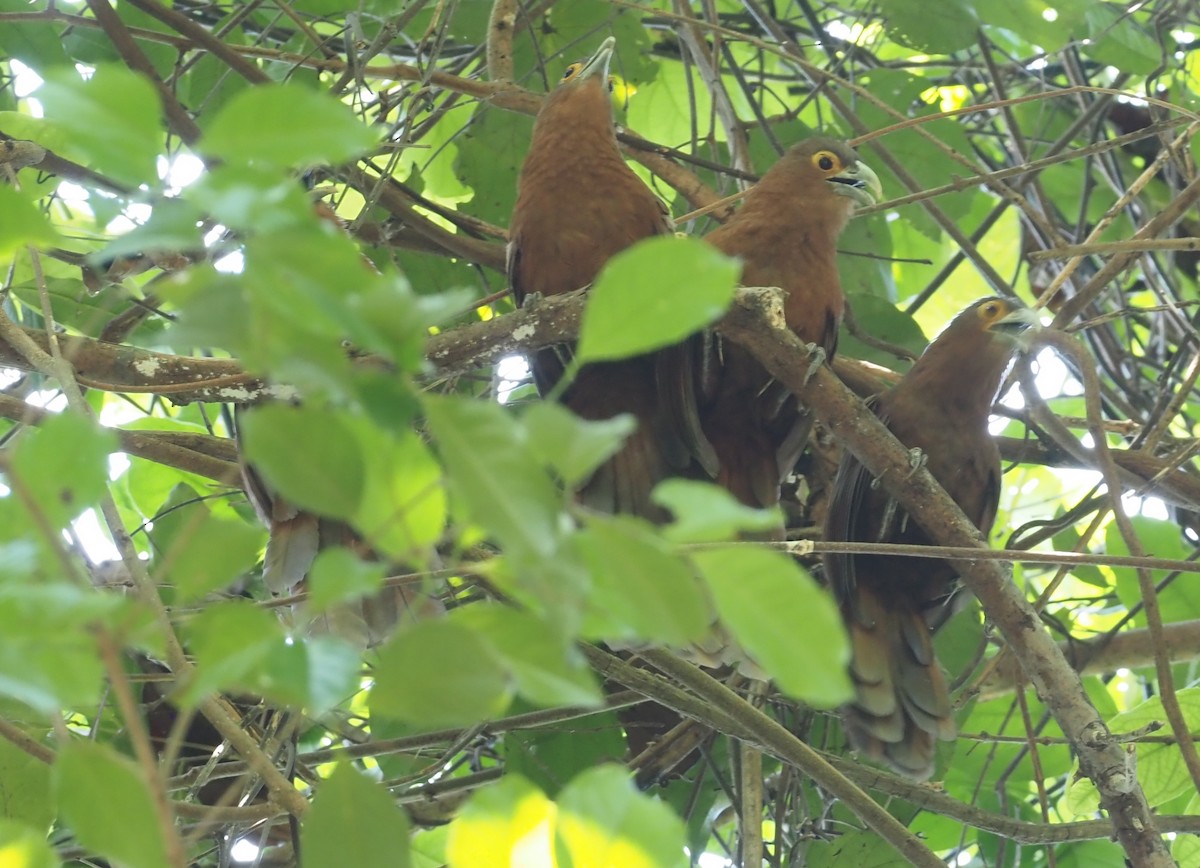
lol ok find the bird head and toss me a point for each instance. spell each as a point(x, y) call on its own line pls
point(1005, 318)
point(838, 165)
point(593, 69)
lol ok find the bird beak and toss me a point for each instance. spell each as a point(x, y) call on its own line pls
point(597, 64)
point(860, 183)
point(1020, 324)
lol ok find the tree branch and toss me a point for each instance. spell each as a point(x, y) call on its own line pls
point(1101, 758)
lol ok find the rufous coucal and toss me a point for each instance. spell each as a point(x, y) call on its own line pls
point(578, 204)
point(893, 605)
point(786, 234)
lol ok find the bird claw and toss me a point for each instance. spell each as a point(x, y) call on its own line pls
point(916, 460)
point(816, 358)
point(531, 300)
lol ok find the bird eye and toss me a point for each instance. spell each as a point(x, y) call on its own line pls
point(571, 70)
point(826, 161)
point(991, 310)
point(612, 83)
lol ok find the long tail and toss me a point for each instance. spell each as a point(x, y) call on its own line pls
point(902, 705)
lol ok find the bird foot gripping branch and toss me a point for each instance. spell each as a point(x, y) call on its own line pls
point(893, 605)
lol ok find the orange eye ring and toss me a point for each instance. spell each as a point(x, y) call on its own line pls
point(571, 71)
point(991, 311)
point(827, 161)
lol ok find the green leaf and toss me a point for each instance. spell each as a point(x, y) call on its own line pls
point(544, 664)
point(1179, 601)
point(354, 821)
point(883, 321)
point(286, 125)
point(653, 295)
point(111, 120)
point(230, 642)
point(908, 22)
point(786, 622)
point(551, 755)
point(1120, 41)
point(403, 508)
point(490, 152)
point(63, 466)
point(704, 512)
point(439, 673)
point(493, 470)
point(1160, 767)
point(641, 588)
point(574, 447)
point(251, 199)
point(23, 847)
point(199, 553)
point(338, 575)
point(105, 801)
point(603, 820)
point(48, 657)
point(316, 673)
point(505, 824)
point(308, 455)
point(21, 223)
point(24, 789)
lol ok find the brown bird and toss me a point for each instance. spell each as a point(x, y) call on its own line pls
point(296, 538)
point(893, 605)
point(578, 205)
point(786, 234)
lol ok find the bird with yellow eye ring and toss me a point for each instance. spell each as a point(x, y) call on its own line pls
point(893, 605)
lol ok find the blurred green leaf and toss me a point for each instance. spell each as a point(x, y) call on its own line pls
point(23, 847)
point(21, 223)
point(709, 513)
point(286, 125)
point(309, 455)
point(492, 468)
point(111, 119)
point(641, 588)
point(490, 153)
point(354, 821)
point(439, 673)
point(403, 507)
point(105, 801)
point(883, 321)
point(546, 667)
point(761, 596)
point(603, 820)
point(62, 466)
point(504, 824)
point(199, 553)
point(25, 794)
point(653, 295)
point(574, 447)
point(908, 22)
point(230, 642)
point(338, 575)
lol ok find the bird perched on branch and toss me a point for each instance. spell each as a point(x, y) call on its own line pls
point(578, 205)
point(786, 234)
point(892, 605)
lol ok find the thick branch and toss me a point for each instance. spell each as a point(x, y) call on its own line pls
point(1101, 758)
point(1131, 649)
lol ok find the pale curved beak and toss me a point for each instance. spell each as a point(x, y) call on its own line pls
point(598, 63)
point(860, 183)
point(1020, 325)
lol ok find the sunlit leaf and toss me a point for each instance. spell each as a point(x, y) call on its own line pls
point(354, 821)
point(653, 295)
